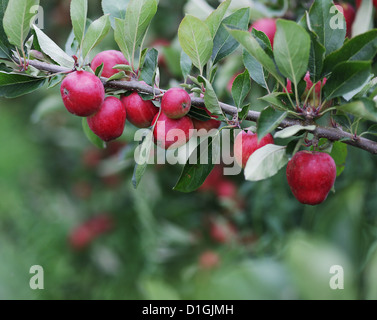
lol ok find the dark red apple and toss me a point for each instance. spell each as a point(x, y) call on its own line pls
point(108, 123)
point(82, 93)
point(176, 103)
point(109, 58)
point(139, 112)
point(172, 133)
point(311, 176)
point(246, 144)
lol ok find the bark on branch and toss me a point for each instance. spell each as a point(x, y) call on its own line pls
point(332, 134)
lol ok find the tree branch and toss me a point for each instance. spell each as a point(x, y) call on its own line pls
point(332, 134)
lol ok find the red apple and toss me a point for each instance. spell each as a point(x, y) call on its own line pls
point(246, 144)
point(172, 133)
point(176, 103)
point(209, 260)
point(139, 112)
point(311, 176)
point(108, 123)
point(82, 93)
point(222, 231)
point(109, 58)
point(226, 189)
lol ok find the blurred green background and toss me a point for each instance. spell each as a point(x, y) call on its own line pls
point(246, 241)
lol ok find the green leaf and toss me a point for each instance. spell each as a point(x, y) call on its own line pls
point(186, 65)
point(120, 36)
point(143, 54)
point(130, 32)
point(223, 43)
point(317, 50)
point(97, 31)
point(116, 9)
point(71, 46)
point(329, 26)
point(210, 98)
point(14, 85)
point(196, 40)
point(364, 18)
point(17, 20)
point(172, 58)
point(253, 47)
point(263, 41)
point(244, 112)
point(99, 70)
point(339, 153)
point(214, 19)
point(255, 69)
point(51, 49)
point(79, 12)
point(123, 67)
point(142, 157)
point(91, 136)
point(265, 162)
point(291, 50)
point(199, 113)
point(118, 76)
point(148, 72)
point(364, 108)
point(199, 165)
point(268, 121)
point(277, 99)
point(4, 44)
point(346, 77)
point(241, 88)
point(291, 131)
point(360, 48)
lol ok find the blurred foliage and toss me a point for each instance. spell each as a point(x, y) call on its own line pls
point(52, 181)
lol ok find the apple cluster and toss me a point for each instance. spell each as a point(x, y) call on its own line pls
point(83, 95)
point(311, 175)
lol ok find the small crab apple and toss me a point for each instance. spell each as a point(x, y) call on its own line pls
point(222, 231)
point(266, 25)
point(349, 15)
point(172, 133)
point(108, 123)
point(311, 176)
point(83, 93)
point(246, 143)
point(176, 103)
point(209, 260)
point(109, 58)
point(139, 112)
point(226, 189)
